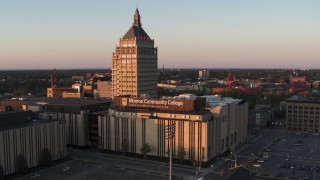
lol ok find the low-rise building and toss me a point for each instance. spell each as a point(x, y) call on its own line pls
point(20, 134)
point(103, 90)
point(203, 74)
point(303, 114)
point(233, 121)
point(261, 117)
point(14, 103)
point(203, 133)
point(61, 92)
point(74, 111)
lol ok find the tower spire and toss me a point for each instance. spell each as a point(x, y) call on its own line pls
point(137, 21)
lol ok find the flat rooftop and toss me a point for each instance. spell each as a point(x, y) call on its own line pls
point(26, 124)
point(296, 98)
point(127, 109)
point(225, 102)
point(65, 101)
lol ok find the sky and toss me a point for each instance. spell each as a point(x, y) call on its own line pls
point(72, 34)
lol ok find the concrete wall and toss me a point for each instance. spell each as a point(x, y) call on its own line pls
point(198, 134)
point(29, 141)
point(203, 136)
point(77, 126)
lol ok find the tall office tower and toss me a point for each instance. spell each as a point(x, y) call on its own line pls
point(134, 63)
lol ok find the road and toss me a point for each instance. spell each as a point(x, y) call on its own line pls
point(262, 141)
point(87, 164)
point(90, 164)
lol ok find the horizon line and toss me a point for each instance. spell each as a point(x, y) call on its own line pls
point(175, 68)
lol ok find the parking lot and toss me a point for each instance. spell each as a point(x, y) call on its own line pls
point(90, 164)
point(294, 155)
point(75, 169)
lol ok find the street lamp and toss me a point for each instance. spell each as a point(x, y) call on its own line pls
point(170, 130)
point(314, 172)
point(235, 159)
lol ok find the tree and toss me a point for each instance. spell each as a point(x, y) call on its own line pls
point(124, 147)
point(21, 164)
point(145, 149)
point(1, 173)
point(45, 157)
point(191, 158)
point(181, 154)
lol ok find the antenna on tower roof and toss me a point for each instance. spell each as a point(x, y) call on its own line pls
point(137, 4)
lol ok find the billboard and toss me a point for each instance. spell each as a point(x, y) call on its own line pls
point(155, 103)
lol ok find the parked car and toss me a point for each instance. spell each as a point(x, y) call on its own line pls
point(256, 165)
point(306, 177)
point(260, 160)
point(312, 168)
point(66, 168)
point(34, 176)
point(288, 165)
point(308, 167)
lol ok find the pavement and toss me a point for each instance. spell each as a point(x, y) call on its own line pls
point(135, 164)
point(91, 164)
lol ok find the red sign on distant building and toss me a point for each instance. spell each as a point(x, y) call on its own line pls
point(297, 79)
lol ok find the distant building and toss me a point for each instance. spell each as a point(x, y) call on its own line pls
point(315, 84)
point(201, 88)
point(76, 113)
point(103, 91)
point(303, 114)
point(203, 74)
point(20, 134)
point(5, 108)
point(78, 78)
point(231, 81)
point(263, 103)
point(97, 86)
point(294, 80)
point(15, 104)
point(262, 115)
point(134, 63)
point(63, 93)
point(283, 106)
point(212, 99)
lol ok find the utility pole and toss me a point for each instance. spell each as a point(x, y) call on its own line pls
point(170, 129)
point(314, 172)
point(53, 78)
point(235, 160)
point(232, 160)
